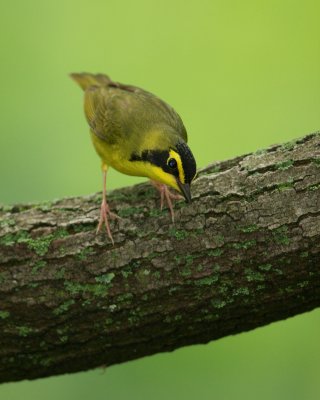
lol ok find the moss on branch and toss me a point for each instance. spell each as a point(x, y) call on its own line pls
point(243, 254)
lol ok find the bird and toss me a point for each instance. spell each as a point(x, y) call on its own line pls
point(136, 133)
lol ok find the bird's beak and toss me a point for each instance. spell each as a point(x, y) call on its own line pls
point(185, 190)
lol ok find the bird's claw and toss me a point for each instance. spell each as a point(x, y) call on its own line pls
point(166, 196)
point(104, 213)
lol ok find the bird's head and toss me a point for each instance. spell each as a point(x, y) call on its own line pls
point(172, 163)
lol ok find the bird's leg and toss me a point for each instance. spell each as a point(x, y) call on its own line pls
point(166, 195)
point(105, 210)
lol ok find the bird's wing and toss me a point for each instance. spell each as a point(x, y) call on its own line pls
point(162, 113)
point(115, 112)
point(99, 114)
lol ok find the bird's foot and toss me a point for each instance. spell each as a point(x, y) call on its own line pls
point(104, 213)
point(166, 196)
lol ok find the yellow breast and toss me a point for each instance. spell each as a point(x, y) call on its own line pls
point(115, 157)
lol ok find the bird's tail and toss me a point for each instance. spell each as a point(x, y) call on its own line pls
point(85, 79)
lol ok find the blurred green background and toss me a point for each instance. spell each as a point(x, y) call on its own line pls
point(242, 75)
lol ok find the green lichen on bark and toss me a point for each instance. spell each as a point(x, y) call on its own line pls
point(4, 314)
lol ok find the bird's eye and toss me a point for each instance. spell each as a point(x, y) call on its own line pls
point(172, 163)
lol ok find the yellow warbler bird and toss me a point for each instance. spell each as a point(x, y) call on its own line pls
point(138, 134)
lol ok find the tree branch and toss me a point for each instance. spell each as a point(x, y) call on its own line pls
point(243, 254)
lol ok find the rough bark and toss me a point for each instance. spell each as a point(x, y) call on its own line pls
point(243, 254)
